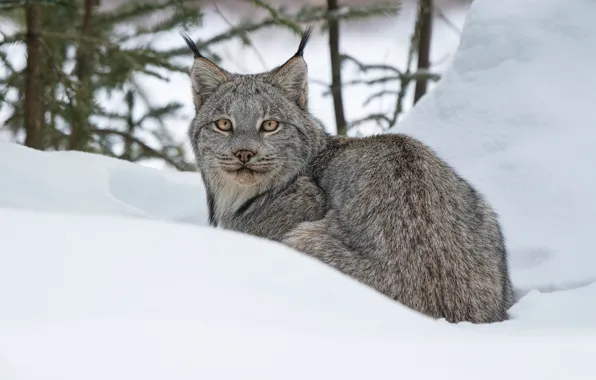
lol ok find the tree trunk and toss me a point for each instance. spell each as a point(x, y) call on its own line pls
point(34, 115)
point(79, 135)
point(130, 126)
point(425, 22)
point(340, 119)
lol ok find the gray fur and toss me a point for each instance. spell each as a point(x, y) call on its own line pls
point(384, 209)
point(282, 159)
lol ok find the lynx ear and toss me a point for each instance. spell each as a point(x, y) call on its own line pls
point(205, 75)
point(292, 76)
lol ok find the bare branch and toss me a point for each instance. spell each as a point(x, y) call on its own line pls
point(278, 17)
point(149, 151)
point(379, 94)
point(443, 17)
point(244, 36)
point(378, 117)
point(367, 67)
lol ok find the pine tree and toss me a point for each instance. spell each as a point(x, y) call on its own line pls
point(75, 54)
point(78, 54)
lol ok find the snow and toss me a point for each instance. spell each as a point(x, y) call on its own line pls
point(87, 183)
point(99, 297)
point(108, 270)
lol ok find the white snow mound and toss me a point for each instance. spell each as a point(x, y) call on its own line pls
point(89, 183)
point(99, 297)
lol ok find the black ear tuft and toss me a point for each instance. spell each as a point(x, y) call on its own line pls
point(304, 41)
point(191, 45)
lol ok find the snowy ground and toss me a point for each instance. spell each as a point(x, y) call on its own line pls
point(107, 270)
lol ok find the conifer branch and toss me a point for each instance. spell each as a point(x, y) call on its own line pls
point(148, 150)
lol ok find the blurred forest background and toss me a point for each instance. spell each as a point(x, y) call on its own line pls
point(76, 74)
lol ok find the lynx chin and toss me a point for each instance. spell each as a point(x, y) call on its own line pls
point(385, 210)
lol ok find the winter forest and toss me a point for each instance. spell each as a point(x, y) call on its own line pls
point(100, 64)
point(110, 267)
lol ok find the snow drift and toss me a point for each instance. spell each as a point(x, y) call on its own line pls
point(88, 183)
point(107, 270)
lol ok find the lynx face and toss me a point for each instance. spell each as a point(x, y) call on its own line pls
point(252, 130)
point(249, 132)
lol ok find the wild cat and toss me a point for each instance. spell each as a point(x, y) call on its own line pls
point(385, 210)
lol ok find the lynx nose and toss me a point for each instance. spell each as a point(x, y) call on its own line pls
point(244, 155)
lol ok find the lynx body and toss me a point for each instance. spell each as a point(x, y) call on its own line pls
point(384, 209)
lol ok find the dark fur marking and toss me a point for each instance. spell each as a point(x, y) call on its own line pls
point(211, 206)
point(247, 204)
point(191, 44)
point(304, 41)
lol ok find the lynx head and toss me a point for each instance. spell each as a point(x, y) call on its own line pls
point(252, 131)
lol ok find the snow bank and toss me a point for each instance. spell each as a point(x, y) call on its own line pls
point(515, 115)
point(87, 183)
point(98, 297)
point(99, 279)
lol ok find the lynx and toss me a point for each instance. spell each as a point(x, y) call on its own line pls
point(385, 210)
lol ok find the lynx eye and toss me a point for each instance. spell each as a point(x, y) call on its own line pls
point(269, 125)
point(224, 125)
